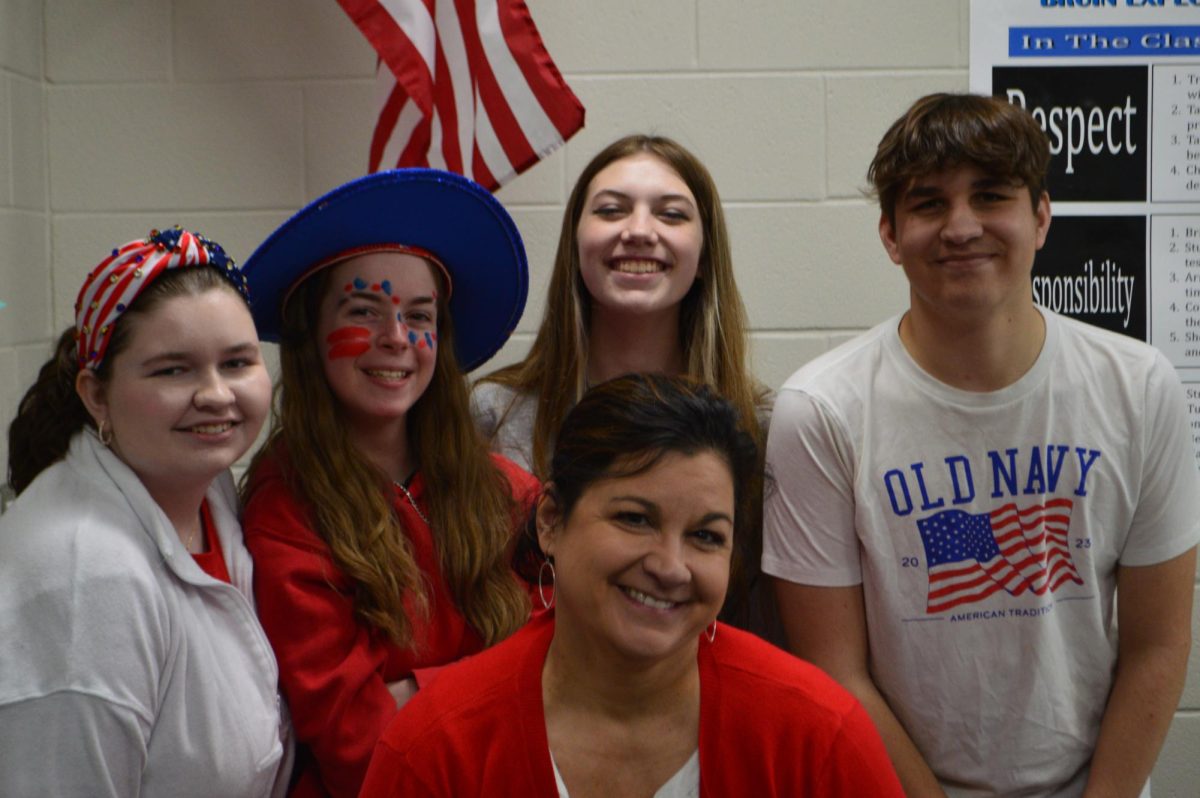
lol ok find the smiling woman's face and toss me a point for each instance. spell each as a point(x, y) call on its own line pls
point(377, 334)
point(640, 237)
point(187, 395)
point(642, 562)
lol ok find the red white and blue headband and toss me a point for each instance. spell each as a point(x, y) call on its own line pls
point(120, 278)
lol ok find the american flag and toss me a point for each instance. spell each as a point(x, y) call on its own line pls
point(970, 557)
point(465, 85)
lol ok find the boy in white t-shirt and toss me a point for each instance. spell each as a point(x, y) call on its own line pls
point(961, 491)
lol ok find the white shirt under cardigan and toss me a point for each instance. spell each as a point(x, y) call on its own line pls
point(124, 668)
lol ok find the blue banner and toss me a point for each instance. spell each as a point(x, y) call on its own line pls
point(1118, 41)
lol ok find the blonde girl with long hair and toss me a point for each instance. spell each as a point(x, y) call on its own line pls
point(642, 282)
point(381, 525)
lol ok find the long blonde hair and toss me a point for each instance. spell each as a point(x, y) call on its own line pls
point(471, 508)
point(712, 318)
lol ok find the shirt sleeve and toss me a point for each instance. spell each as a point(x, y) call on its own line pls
point(73, 745)
point(485, 409)
point(858, 763)
point(505, 419)
point(809, 534)
point(330, 665)
point(1166, 522)
point(394, 775)
point(82, 653)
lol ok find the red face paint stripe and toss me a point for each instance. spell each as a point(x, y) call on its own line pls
point(348, 334)
point(348, 349)
point(348, 342)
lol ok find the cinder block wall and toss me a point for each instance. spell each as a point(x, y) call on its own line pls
point(25, 274)
point(226, 115)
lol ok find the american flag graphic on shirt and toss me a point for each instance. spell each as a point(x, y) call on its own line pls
point(1015, 549)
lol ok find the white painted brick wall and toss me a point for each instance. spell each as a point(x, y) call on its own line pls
point(177, 146)
point(824, 37)
point(236, 40)
point(26, 278)
point(107, 41)
point(6, 193)
point(226, 115)
point(21, 38)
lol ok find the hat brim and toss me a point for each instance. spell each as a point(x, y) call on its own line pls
point(454, 218)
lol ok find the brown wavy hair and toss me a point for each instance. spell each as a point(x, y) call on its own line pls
point(471, 508)
point(712, 318)
point(942, 131)
point(51, 412)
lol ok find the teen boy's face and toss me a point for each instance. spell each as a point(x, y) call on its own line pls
point(966, 241)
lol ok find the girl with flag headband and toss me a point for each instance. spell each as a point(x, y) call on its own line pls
point(133, 661)
point(381, 526)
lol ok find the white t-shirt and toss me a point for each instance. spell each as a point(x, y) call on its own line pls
point(986, 529)
point(506, 420)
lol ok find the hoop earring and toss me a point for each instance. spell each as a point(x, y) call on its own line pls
point(710, 631)
point(100, 434)
point(541, 588)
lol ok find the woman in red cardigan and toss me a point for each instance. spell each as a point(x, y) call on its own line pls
point(380, 526)
point(629, 686)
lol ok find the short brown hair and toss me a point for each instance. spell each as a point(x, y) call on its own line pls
point(942, 131)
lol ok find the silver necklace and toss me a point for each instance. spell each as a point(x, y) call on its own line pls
point(408, 496)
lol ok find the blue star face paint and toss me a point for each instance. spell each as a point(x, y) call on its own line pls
point(371, 325)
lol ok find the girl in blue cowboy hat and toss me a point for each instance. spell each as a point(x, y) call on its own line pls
point(381, 527)
point(132, 661)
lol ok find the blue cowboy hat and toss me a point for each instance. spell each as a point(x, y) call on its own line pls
point(453, 218)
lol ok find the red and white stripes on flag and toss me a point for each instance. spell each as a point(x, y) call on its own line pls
point(466, 86)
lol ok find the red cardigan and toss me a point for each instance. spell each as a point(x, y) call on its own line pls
point(334, 670)
point(770, 725)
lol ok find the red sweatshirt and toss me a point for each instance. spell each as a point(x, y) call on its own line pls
point(334, 670)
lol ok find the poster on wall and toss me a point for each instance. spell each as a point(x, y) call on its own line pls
point(1116, 86)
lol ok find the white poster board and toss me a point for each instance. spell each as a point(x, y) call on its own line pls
point(1116, 86)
